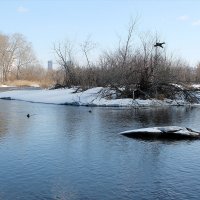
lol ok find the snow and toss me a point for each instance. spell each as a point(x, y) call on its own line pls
point(5, 86)
point(143, 130)
point(92, 97)
point(178, 86)
point(34, 85)
point(176, 130)
point(196, 86)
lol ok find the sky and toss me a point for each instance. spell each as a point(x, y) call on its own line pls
point(46, 22)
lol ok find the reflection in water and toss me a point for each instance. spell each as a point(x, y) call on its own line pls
point(65, 152)
point(166, 116)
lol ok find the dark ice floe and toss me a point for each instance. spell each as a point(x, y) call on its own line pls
point(166, 132)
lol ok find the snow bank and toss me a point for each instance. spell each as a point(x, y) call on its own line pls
point(92, 97)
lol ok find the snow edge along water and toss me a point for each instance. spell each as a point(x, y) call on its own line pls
point(91, 97)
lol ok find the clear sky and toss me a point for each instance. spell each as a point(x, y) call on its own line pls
point(44, 22)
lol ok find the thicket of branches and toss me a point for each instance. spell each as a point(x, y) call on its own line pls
point(143, 68)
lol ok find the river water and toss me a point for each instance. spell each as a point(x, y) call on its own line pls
point(66, 152)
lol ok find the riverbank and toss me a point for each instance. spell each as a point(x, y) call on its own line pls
point(98, 96)
point(19, 84)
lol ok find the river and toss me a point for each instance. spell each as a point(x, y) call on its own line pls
point(66, 152)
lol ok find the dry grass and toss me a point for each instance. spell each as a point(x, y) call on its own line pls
point(22, 83)
point(25, 83)
point(45, 84)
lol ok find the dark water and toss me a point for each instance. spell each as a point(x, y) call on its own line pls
point(3, 89)
point(65, 152)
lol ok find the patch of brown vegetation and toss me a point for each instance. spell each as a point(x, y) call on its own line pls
point(22, 83)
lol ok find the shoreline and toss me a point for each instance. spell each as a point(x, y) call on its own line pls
point(94, 97)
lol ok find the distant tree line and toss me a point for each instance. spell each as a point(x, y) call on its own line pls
point(17, 59)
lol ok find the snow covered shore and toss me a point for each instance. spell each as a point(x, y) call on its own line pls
point(92, 97)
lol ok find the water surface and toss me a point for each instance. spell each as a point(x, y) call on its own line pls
point(66, 152)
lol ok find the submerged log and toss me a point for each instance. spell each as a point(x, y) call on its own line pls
point(168, 132)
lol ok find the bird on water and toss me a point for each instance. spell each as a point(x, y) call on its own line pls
point(28, 115)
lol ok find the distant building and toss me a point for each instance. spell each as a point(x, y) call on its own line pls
point(50, 65)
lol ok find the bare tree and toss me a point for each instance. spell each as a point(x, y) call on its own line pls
point(197, 72)
point(7, 49)
point(64, 57)
point(3, 54)
point(87, 46)
point(24, 55)
point(15, 53)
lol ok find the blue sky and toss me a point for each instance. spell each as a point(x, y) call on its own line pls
point(44, 22)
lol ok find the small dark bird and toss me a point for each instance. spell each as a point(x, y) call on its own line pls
point(159, 44)
point(28, 115)
point(89, 111)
